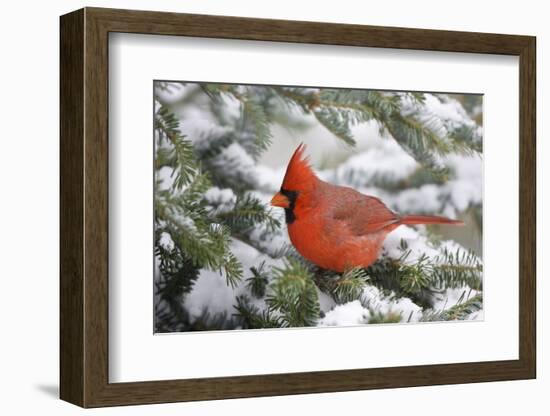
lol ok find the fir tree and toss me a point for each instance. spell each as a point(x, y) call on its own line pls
point(209, 205)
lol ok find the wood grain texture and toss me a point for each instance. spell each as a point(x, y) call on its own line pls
point(96, 208)
point(71, 184)
point(527, 208)
point(84, 207)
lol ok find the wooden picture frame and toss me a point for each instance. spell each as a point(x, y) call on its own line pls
point(84, 207)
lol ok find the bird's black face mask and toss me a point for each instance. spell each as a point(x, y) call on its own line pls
point(289, 212)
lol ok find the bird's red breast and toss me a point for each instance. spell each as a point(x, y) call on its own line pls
point(336, 227)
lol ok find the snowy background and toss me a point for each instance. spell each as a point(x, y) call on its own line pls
point(375, 164)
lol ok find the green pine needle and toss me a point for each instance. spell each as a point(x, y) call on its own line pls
point(293, 295)
point(257, 284)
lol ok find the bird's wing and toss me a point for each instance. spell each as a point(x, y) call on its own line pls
point(363, 214)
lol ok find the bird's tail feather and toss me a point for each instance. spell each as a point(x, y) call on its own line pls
point(428, 219)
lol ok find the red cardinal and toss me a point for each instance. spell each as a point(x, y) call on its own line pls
point(336, 227)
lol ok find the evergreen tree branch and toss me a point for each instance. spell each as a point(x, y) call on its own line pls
point(260, 120)
point(248, 212)
point(202, 232)
point(257, 284)
point(293, 295)
point(181, 155)
point(460, 311)
point(183, 215)
point(252, 318)
point(420, 279)
point(342, 287)
point(379, 317)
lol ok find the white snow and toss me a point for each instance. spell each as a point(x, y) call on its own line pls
point(236, 161)
point(326, 302)
point(219, 196)
point(424, 199)
point(172, 93)
point(451, 297)
point(409, 311)
point(184, 221)
point(166, 177)
point(354, 313)
point(463, 190)
point(417, 244)
point(221, 200)
point(448, 110)
point(212, 292)
point(271, 242)
point(351, 313)
point(268, 179)
point(376, 158)
point(166, 241)
point(441, 114)
point(387, 160)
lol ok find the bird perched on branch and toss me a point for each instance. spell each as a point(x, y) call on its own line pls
point(336, 227)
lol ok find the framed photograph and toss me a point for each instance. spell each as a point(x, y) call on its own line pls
point(256, 207)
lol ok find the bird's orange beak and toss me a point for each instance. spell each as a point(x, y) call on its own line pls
point(279, 200)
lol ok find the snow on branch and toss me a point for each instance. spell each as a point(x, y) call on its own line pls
point(223, 258)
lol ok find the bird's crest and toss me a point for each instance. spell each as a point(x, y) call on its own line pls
point(299, 176)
